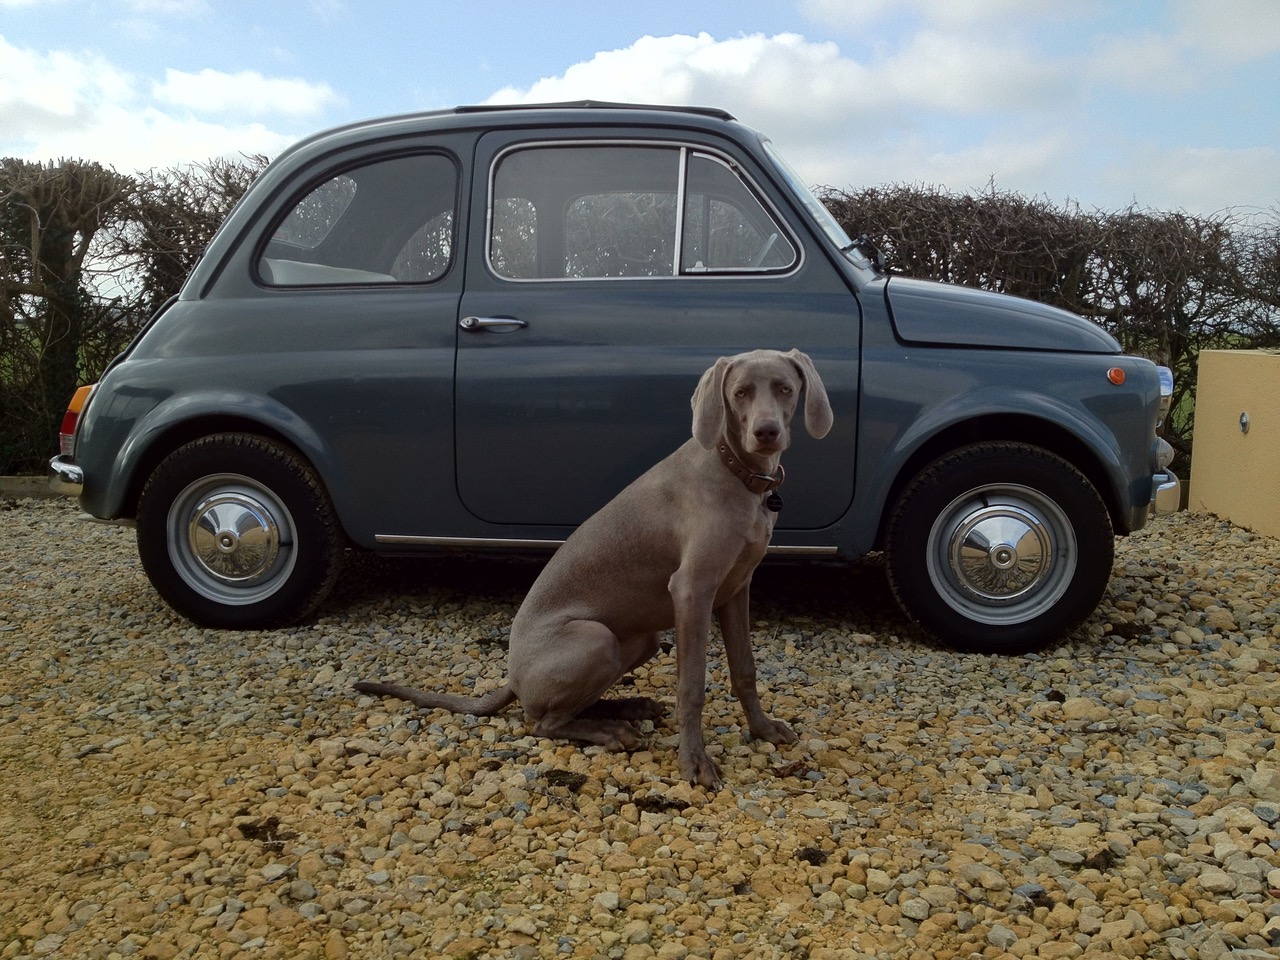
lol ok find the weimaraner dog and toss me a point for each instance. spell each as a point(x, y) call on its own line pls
point(678, 544)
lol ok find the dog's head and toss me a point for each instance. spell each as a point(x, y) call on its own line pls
point(752, 397)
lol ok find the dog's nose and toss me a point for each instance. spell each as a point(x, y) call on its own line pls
point(767, 433)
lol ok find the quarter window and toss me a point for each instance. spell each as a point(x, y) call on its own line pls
point(725, 228)
point(389, 221)
point(627, 211)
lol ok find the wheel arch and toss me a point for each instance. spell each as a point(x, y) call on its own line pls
point(1004, 427)
point(154, 445)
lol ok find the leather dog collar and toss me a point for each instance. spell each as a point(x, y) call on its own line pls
point(755, 482)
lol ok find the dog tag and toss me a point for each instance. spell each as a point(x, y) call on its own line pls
point(773, 502)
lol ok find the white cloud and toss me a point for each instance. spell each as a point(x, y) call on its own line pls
point(247, 93)
point(822, 107)
point(1026, 164)
point(982, 15)
point(1228, 31)
point(147, 138)
point(54, 89)
point(170, 8)
point(798, 92)
point(956, 74)
point(684, 69)
point(1203, 179)
point(1143, 61)
point(60, 104)
point(1198, 41)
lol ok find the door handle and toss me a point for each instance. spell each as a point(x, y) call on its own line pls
point(496, 324)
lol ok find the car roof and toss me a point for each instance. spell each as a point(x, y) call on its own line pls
point(715, 112)
point(497, 115)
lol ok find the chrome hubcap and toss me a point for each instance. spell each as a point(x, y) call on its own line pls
point(233, 538)
point(1000, 552)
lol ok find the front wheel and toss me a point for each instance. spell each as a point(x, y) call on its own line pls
point(999, 548)
point(236, 531)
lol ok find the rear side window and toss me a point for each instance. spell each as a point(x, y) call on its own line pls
point(385, 222)
point(628, 211)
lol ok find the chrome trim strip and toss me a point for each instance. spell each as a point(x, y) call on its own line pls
point(409, 541)
point(512, 543)
point(683, 174)
point(778, 550)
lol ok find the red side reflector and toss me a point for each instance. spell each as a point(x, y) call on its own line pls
point(71, 419)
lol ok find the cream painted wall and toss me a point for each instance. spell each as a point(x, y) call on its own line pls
point(1236, 475)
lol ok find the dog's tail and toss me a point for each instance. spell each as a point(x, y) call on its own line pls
point(482, 706)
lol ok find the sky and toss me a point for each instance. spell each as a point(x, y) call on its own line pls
point(1162, 104)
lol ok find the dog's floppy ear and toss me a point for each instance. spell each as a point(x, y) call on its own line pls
point(708, 404)
point(817, 408)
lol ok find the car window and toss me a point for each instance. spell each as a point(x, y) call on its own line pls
point(626, 210)
point(725, 227)
point(388, 221)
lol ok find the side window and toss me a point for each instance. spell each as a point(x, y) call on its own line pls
point(389, 221)
point(513, 242)
point(585, 211)
point(725, 227)
point(627, 211)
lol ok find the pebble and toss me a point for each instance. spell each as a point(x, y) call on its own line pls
point(170, 791)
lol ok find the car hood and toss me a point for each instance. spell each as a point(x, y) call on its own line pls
point(927, 312)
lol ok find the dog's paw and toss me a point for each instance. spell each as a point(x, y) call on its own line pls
point(774, 731)
point(700, 769)
point(622, 736)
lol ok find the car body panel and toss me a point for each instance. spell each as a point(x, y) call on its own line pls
point(925, 311)
point(427, 433)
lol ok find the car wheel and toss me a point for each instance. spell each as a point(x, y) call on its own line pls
point(999, 548)
point(237, 531)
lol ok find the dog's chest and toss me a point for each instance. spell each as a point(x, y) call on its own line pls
point(758, 531)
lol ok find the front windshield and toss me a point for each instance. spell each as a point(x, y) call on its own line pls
point(830, 226)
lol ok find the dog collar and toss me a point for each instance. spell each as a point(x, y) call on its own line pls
point(755, 482)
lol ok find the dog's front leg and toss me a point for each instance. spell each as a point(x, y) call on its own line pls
point(693, 624)
point(735, 626)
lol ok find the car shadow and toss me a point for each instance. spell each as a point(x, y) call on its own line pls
point(853, 596)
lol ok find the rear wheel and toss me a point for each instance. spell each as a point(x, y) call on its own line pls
point(999, 548)
point(236, 531)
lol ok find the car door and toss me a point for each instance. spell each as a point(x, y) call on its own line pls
point(604, 275)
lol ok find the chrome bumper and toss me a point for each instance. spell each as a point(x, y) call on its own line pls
point(1166, 493)
point(65, 476)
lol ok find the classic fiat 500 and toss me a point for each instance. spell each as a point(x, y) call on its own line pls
point(469, 329)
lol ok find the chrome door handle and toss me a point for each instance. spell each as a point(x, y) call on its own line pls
point(474, 324)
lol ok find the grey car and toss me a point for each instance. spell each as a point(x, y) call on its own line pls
point(466, 330)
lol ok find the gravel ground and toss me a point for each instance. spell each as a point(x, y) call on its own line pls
point(168, 791)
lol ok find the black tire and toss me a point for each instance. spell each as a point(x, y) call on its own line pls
point(999, 548)
point(236, 531)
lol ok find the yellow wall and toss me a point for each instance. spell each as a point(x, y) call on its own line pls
point(1236, 475)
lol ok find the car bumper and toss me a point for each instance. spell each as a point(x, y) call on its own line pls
point(65, 476)
point(1166, 493)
